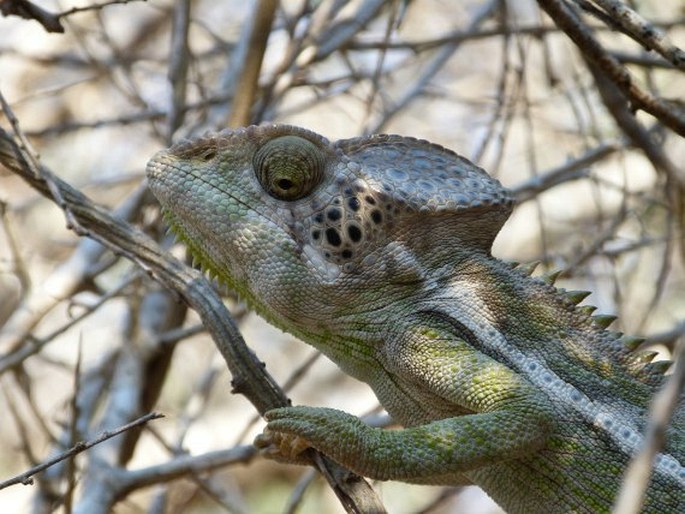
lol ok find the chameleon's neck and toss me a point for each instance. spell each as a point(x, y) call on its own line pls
point(535, 322)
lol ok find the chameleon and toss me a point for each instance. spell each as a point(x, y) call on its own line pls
point(376, 250)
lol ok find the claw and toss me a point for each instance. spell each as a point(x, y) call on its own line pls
point(281, 446)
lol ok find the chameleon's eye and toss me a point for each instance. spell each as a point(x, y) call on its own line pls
point(289, 167)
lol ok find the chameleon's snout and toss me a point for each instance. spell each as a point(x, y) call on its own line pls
point(157, 165)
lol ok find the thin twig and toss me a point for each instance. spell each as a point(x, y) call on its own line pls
point(571, 170)
point(642, 31)
point(669, 113)
point(18, 268)
point(72, 430)
point(94, 7)
point(26, 477)
point(631, 127)
point(35, 345)
point(418, 86)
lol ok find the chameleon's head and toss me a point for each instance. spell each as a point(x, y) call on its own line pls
point(304, 228)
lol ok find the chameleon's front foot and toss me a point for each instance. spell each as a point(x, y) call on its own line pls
point(438, 452)
point(292, 430)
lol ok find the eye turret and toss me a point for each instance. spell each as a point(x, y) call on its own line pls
point(289, 167)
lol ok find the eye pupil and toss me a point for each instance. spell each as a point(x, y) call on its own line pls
point(284, 184)
point(209, 156)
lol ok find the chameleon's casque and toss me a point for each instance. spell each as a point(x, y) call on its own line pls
point(376, 250)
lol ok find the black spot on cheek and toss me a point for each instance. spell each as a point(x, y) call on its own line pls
point(376, 216)
point(318, 218)
point(370, 200)
point(333, 237)
point(354, 203)
point(355, 233)
point(316, 234)
point(346, 254)
point(334, 214)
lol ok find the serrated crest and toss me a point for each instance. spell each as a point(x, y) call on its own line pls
point(576, 296)
point(528, 268)
point(632, 342)
point(647, 356)
point(604, 320)
point(551, 278)
point(587, 309)
point(659, 367)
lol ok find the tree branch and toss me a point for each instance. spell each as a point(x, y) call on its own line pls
point(669, 113)
point(250, 378)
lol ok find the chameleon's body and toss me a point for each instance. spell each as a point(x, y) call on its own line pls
point(377, 251)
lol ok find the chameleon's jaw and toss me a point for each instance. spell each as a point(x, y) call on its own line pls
point(219, 234)
point(166, 177)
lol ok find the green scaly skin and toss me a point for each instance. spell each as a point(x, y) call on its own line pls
point(376, 251)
